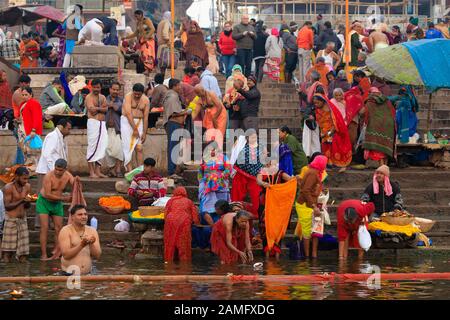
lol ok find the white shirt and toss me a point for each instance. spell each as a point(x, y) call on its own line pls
point(53, 148)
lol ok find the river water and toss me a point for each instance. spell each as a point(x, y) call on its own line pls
point(206, 264)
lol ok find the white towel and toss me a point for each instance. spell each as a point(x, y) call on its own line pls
point(237, 148)
point(311, 141)
point(114, 151)
point(128, 141)
point(97, 140)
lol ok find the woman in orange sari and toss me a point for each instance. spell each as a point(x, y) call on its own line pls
point(215, 117)
point(336, 145)
point(180, 214)
point(29, 52)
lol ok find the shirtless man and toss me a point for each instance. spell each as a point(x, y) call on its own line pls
point(79, 243)
point(15, 229)
point(50, 203)
point(96, 129)
point(134, 125)
point(377, 39)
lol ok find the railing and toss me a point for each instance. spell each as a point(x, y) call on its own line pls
point(274, 20)
point(88, 5)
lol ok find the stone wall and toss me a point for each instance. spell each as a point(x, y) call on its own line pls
point(155, 146)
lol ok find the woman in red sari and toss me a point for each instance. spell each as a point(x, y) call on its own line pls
point(180, 214)
point(336, 145)
point(230, 237)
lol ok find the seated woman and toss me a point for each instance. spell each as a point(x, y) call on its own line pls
point(201, 234)
point(230, 238)
point(147, 186)
point(213, 177)
point(180, 214)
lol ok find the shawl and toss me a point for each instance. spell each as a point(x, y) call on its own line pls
point(380, 132)
point(195, 44)
point(5, 95)
point(353, 102)
point(341, 147)
point(285, 163)
point(320, 164)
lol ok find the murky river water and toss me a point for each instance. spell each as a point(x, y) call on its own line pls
point(205, 264)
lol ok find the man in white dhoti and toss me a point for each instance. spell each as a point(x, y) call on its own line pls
point(134, 125)
point(114, 152)
point(96, 129)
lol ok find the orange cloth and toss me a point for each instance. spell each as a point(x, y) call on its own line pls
point(208, 123)
point(305, 38)
point(322, 69)
point(148, 53)
point(27, 61)
point(279, 201)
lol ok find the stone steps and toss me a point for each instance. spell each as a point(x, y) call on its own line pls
point(277, 122)
point(410, 196)
point(105, 236)
point(280, 111)
point(407, 178)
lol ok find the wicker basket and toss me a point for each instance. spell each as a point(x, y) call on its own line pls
point(425, 225)
point(148, 211)
point(113, 210)
point(397, 221)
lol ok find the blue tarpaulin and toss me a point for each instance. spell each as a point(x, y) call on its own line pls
point(432, 59)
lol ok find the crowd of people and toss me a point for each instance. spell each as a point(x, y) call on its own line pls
point(348, 117)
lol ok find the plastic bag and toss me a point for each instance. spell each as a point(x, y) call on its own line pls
point(161, 202)
point(122, 226)
point(323, 199)
point(130, 175)
point(317, 226)
point(365, 241)
point(34, 143)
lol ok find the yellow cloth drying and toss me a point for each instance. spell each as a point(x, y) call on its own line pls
point(409, 230)
point(136, 216)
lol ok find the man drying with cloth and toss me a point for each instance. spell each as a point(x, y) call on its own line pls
point(134, 125)
point(50, 203)
point(15, 229)
point(96, 129)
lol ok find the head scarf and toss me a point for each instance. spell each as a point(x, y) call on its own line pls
point(167, 15)
point(320, 164)
point(387, 183)
point(180, 192)
point(194, 24)
point(414, 21)
point(275, 32)
point(259, 26)
point(252, 78)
